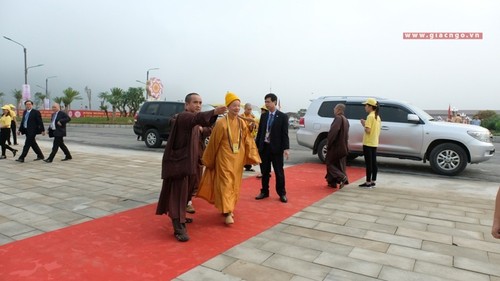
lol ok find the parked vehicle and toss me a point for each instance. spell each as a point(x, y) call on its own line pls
point(152, 122)
point(407, 133)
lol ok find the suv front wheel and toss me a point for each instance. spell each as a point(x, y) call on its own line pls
point(152, 138)
point(448, 159)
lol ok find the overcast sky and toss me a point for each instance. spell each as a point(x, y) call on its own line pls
point(300, 49)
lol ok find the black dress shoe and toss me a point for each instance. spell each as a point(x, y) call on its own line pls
point(283, 198)
point(48, 160)
point(14, 152)
point(20, 160)
point(67, 158)
point(38, 158)
point(261, 196)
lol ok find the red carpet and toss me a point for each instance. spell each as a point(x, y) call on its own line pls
point(138, 245)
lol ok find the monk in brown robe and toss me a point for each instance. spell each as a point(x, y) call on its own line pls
point(230, 147)
point(176, 180)
point(337, 148)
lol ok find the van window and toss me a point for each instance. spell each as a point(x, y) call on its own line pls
point(151, 108)
point(326, 109)
point(170, 109)
point(355, 111)
point(393, 113)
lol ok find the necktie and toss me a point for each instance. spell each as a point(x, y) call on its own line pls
point(26, 119)
point(270, 121)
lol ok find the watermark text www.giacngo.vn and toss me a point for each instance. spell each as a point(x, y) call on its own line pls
point(443, 35)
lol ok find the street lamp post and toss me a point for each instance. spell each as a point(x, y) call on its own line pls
point(47, 87)
point(147, 78)
point(25, 60)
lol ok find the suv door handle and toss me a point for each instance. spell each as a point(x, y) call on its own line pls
point(385, 128)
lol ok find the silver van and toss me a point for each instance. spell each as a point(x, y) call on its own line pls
point(407, 133)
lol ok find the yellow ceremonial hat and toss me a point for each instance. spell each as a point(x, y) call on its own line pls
point(230, 97)
point(6, 107)
point(264, 107)
point(11, 106)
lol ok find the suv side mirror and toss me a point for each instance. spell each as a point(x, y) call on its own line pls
point(413, 118)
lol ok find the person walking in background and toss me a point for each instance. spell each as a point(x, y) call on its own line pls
point(263, 109)
point(57, 130)
point(231, 145)
point(495, 229)
point(180, 162)
point(13, 125)
point(31, 125)
point(337, 148)
point(274, 146)
point(372, 126)
point(5, 123)
point(252, 125)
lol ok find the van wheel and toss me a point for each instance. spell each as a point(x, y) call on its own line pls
point(448, 159)
point(152, 139)
point(322, 150)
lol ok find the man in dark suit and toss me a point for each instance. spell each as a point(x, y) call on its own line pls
point(31, 125)
point(274, 145)
point(57, 130)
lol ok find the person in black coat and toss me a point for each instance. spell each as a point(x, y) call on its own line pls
point(274, 146)
point(57, 130)
point(31, 125)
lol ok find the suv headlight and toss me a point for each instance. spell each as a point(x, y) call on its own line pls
point(480, 135)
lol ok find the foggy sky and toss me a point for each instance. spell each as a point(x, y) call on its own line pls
point(298, 49)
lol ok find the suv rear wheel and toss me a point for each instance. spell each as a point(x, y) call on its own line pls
point(152, 138)
point(448, 159)
point(322, 148)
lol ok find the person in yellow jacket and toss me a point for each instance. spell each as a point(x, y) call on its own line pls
point(5, 121)
point(13, 124)
point(230, 147)
point(371, 126)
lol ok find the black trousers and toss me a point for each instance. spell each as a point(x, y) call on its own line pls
point(59, 143)
point(370, 154)
point(31, 143)
point(276, 160)
point(13, 130)
point(4, 136)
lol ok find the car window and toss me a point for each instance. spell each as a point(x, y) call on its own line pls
point(394, 113)
point(326, 109)
point(170, 109)
point(355, 111)
point(151, 108)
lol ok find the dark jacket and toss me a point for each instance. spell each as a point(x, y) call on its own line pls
point(60, 130)
point(35, 123)
point(279, 132)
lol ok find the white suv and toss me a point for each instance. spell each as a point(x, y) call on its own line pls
point(407, 133)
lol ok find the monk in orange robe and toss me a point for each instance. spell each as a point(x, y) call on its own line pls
point(230, 147)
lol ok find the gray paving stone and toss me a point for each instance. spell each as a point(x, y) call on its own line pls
point(324, 246)
point(456, 232)
point(321, 217)
point(361, 243)
point(452, 250)
point(206, 274)
point(302, 268)
point(339, 229)
point(341, 275)
point(349, 264)
point(12, 228)
point(248, 254)
point(292, 251)
point(453, 218)
point(395, 274)
point(402, 222)
point(219, 262)
point(311, 233)
point(301, 222)
point(477, 266)
point(448, 272)
point(432, 221)
point(424, 235)
point(476, 244)
point(382, 258)
point(393, 239)
point(422, 255)
point(371, 226)
point(255, 272)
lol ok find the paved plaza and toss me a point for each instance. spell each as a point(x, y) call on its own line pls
point(408, 228)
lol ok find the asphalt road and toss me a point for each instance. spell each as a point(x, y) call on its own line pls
point(125, 138)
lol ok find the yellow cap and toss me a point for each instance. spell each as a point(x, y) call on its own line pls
point(6, 107)
point(264, 107)
point(371, 101)
point(12, 106)
point(230, 97)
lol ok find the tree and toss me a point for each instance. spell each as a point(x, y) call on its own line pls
point(114, 99)
point(70, 95)
point(135, 98)
point(104, 97)
point(18, 95)
point(59, 100)
point(39, 99)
